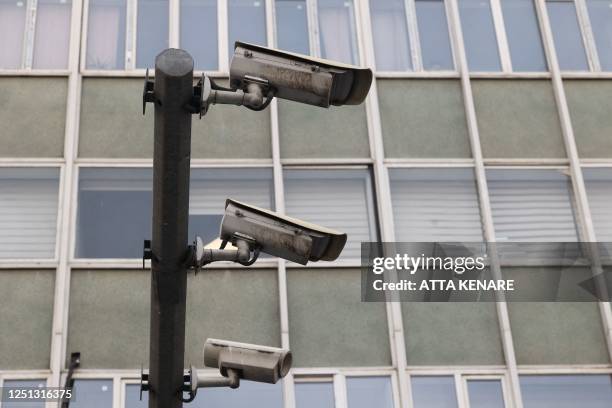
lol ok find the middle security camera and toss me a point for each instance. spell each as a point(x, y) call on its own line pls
point(279, 235)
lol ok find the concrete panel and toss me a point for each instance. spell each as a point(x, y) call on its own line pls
point(329, 325)
point(517, 118)
point(589, 105)
point(558, 333)
point(26, 301)
point(33, 116)
point(313, 132)
point(423, 118)
point(452, 334)
point(112, 125)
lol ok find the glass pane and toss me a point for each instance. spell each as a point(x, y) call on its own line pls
point(337, 30)
point(523, 35)
point(433, 34)
point(435, 205)
point(390, 31)
point(532, 205)
point(152, 31)
point(567, 36)
point(132, 397)
point(28, 212)
point(598, 184)
point(106, 34)
point(485, 394)
point(369, 392)
point(566, 391)
point(600, 14)
point(433, 392)
point(292, 26)
point(314, 395)
point(479, 35)
point(52, 34)
point(199, 32)
point(337, 199)
point(92, 394)
point(247, 22)
point(114, 215)
point(19, 385)
point(12, 26)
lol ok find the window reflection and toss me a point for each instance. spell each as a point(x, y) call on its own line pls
point(479, 35)
point(566, 391)
point(314, 395)
point(92, 394)
point(292, 26)
point(485, 394)
point(369, 392)
point(567, 36)
point(433, 392)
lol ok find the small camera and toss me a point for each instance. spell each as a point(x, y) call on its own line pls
point(297, 77)
point(250, 361)
point(281, 236)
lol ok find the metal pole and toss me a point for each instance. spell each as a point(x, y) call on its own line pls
point(171, 160)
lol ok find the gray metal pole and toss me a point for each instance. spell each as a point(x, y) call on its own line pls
point(171, 160)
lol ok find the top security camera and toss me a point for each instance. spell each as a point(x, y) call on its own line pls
point(298, 77)
point(278, 235)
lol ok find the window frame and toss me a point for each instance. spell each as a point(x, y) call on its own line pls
point(29, 38)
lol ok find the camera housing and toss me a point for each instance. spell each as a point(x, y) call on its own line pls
point(279, 235)
point(251, 361)
point(297, 77)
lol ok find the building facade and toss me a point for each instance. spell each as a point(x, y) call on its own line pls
point(487, 121)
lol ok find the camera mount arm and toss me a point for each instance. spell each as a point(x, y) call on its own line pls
point(244, 244)
point(192, 382)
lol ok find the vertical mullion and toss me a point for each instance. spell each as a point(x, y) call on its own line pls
point(223, 34)
point(340, 394)
point(62, 273)
point(173, 23)
point(453, 44)
point(413, 34)
point(500, 32)
point(483, 197)
point(586, 225)
point(587, 34)
point(29, 34)
point(461, 391)
point(131, 21)
point(312, 13)
point(270, 24)
point(383, 202)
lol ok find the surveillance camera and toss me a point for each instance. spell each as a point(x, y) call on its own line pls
point(250, 361)
point(281, 236)
point(298, 77)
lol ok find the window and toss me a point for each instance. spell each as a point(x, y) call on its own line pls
point(314, 394)
point(106, 28)
point(335, 37)
point(523, 34)
point(34, 34)
point(600, 15)
point(249, 394)
point(28, 212)
point(585, 391)
point(532, 205)
point(114, 215)
point(567, 35)
point(92, 394)
point(390, 31)
point(598, 184)
point(433, 392)
point(485, 394)
point(433, 35)
point(247, 22)
point(479, 35)
point(392, 43)
point(152, 31)
point(369, 392)
point(435, 205)
point(199, 32)
point(19, 385)
point(292, 26)
point(337, 199)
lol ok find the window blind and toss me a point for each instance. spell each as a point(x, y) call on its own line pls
point(337, 199)
point(28, 212)
point(435, 205)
